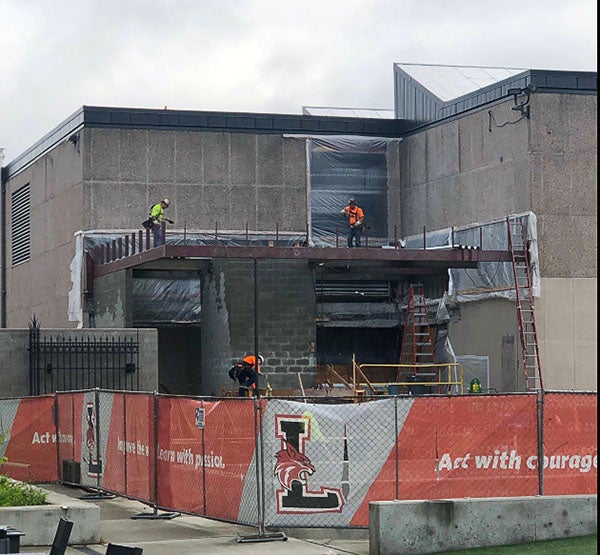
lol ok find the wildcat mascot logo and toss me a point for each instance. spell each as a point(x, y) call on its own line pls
point(293, 467)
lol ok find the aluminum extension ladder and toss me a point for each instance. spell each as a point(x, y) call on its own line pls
point(517, 245)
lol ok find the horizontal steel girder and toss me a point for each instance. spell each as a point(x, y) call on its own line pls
point(400, 258)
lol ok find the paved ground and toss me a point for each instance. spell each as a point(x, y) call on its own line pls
point(190, 535)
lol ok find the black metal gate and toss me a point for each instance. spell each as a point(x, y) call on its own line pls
point(71, 363)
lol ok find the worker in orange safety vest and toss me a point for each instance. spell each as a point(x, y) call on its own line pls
point(355, 216)
point(248, 374)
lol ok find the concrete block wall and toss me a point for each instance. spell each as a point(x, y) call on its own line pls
point(286, 328)
point(14, 356)
point(418, 527)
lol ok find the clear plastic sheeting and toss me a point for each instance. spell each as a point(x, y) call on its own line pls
point(341, 168)
point(168, 301)
point(489, 279)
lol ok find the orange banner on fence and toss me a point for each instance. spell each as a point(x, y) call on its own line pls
point(460, 447)
point(129, 464)
point(570, 444)
point(204, 452)
point(32, 445)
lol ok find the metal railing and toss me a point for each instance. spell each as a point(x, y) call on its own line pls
point(432, 374)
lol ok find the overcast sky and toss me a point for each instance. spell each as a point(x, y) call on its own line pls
point(259, 55)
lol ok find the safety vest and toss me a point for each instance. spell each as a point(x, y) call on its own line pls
point(157, 212)
point(354, 215)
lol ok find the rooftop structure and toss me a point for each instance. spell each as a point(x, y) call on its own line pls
point(427, 92)
point(383, 113)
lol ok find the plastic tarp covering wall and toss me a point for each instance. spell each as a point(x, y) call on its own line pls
point(489, 279)
point(340, 168)
point(169, 300)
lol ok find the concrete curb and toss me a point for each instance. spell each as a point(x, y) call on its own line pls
point(39, 522)
point(417, 527)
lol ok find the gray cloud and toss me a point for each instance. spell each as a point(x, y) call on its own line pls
point(259, 55)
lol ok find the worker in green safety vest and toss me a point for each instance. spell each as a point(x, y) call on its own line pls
point(475, 386)
point(157, 215)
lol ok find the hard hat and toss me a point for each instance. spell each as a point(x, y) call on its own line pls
point(351, 200)
point(165, 201)
point(260, 359)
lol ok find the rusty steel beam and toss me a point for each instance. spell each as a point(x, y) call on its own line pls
point(451, 258)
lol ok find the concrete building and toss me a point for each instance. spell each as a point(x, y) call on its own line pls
point(515, 142)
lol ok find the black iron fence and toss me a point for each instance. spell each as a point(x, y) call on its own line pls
point(63, 363)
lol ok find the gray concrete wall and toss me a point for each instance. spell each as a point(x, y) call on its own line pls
point(41, 285)
point(14, 356)
point(489, 328)
point(286, 322)
point(567, 320)
point(109, 179)
point(460, 172)
point(564, 188)
point(227, 178)
point(475, 169)
point(417, 527)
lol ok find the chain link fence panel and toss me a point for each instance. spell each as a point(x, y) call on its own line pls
point(570, 437)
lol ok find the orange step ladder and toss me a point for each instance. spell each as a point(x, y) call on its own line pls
point(417, 346)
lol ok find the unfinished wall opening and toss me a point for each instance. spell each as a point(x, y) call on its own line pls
point(170, 301)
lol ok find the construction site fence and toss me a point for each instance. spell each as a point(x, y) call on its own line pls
point(302, 463)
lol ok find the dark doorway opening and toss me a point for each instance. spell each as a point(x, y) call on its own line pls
point(179, 357)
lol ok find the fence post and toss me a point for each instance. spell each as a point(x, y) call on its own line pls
point(203, 466)
point(125, 441)
point(97, 424)
point(56, 430)
point(540, 398)
point(397, 449)
point(262, 534)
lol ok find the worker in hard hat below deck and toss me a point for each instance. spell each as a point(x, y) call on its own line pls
point(248, 376)
point(157, 215)
point(355, 216)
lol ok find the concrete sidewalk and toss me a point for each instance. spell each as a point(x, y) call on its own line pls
point(191, 535)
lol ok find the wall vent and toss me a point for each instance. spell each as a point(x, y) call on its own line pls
point(20, 226)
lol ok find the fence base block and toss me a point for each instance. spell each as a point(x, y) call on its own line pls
point(266, 537)
point(155, 516)
point(97, 495)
